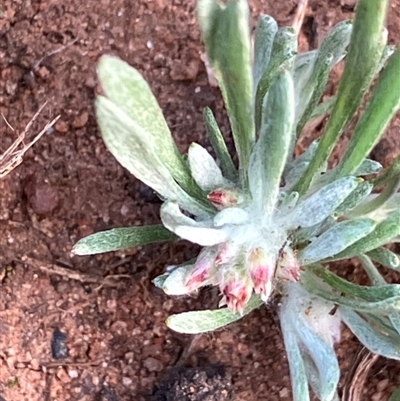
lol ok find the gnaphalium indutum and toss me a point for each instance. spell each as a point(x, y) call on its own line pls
point(273, 223)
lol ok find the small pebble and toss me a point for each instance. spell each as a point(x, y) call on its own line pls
point(73, 374)
point(63, 376)
point(126, 381)
point(61, 126)
point(59, 349)
point(81, 120)
point(152, 365)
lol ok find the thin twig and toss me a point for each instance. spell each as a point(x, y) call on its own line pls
point(299, 16)
point(52, 53)
point(360, 367)
point(13, 157)
point(52, 268)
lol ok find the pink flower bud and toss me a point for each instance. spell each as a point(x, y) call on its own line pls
point(237, 292)
point(261, 270)
point(288, 266)
point(226, 253)
point(222, 198)
point(202, 269)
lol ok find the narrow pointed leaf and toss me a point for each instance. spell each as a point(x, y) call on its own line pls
point(231, 62)
point(336, 239)
point(383, 234)
point(331, 51)
point(323, 108)
point(273, 145)
point(204, 169)
point(298, 374)
point(209, 320)
point(366, 293)
point(122, 238)
point(321, 78)
point(219, 145)
point(128, 90)
point(377, 202)
point(368, 167)
point(263, 41)
point(376, 341)
point(323, 203)
point(129, 144)
point(364, 55)
point(385, 257)
point(383, 104)
point(356, 197)
point(383, 299)
point(197, 232)
point(282, 56)
point(371, 270)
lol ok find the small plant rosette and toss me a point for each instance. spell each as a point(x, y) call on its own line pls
point(271, 224)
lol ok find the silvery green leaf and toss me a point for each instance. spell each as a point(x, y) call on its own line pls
point(231, 62)
point(160, 280)
point(375, 204)
point(197, 232)
point(231, 215)
point(385, 257)
point(295, 167)
point(372, 272)
point(209, 320)
point(302, 70)
point(371, 294)
point(368, 167)
point(378, 299)
point(355, 198)
point(294, 174)
point(128, 90)
point(308, 233)
point(319, 80)
point(383, 234)
point(219, 145)
point(331, 51)
point(388, 174)
point(121, 238)
point(376, 341)
point(283, 52)
point(272, 147)
point(263, 40)
point(298, 374)
point(322, 203)
point(364, 54)
point(323, 108)
point(336, 239)
point(335, 43)
point(387, 52)
point(375, 118)
point(395, 320)
point(204, 169)
point(314, 333)
point(129, 144)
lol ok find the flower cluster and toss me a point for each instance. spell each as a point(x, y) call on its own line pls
point(274, 220)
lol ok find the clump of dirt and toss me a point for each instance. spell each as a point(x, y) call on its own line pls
point(211, 383)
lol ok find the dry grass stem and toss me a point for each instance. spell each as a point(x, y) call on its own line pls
point(299, 16)
point(13, 156)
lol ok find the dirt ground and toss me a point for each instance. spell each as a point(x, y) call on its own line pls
point(92, 328)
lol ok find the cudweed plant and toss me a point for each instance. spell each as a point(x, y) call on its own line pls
point(272, 225)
